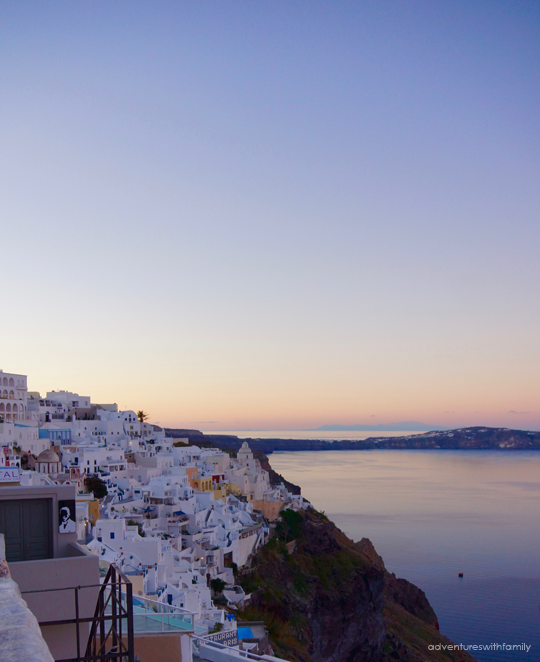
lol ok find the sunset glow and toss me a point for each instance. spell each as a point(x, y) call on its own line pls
point(275, 218)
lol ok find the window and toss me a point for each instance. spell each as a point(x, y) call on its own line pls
point(112, 534)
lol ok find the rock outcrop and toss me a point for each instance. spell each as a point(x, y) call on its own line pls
point(332, 600)
point(275, 478)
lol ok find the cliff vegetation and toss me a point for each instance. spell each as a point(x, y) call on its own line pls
point(325, 598)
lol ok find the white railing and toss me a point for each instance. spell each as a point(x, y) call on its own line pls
point(204, 648)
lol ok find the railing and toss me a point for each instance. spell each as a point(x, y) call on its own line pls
point(113, 607)
point(111, 637)
point(200, 644)
point(150, 616)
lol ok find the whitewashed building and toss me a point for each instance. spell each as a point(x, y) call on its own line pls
point(13, 397)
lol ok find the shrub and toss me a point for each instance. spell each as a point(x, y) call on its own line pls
point(220, 600)
point(95, 485)
point(217, 628)
point(290, 526)
point(217, 585)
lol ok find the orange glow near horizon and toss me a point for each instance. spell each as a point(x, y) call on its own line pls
point(298, 402)
point(274, 216)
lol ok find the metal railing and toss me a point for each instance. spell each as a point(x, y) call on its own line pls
point(111, 637)
point(114, 609)
point(118, 616)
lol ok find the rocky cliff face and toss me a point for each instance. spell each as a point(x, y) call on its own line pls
point(275, 478)
point(332, 600)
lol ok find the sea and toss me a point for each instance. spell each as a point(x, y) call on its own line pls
point(434, 514)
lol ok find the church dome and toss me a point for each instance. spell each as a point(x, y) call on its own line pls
point(48, 456)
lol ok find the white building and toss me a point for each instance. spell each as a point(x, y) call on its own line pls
point(187, 526)
point(48, 462)
point(69, 399)
point(93, 459)
point(13, 396)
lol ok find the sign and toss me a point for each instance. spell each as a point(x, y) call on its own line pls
point(9, 475)
point(66, 517)
point(227, 637)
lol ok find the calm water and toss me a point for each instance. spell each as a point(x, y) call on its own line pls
point(432, 514)
point(307, 434)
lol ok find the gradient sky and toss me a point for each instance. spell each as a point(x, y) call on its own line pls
point(274, 214)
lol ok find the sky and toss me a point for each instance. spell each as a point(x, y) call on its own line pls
point(274, 215)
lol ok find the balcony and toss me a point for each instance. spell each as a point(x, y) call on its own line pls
point(46, 585)
point(150, 617)
point(116, 626)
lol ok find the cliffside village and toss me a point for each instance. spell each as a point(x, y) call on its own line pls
point(174, 518)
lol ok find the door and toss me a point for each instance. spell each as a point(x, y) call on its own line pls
point(37, 529)
point(11, 525)
point(26, 525)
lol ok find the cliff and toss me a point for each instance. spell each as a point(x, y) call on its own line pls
point(472, 438)
point(332, 600)
point(275, 478)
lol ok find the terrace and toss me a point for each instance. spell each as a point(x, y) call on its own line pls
point(150, 617)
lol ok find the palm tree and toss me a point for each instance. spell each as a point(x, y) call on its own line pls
point(142, 416)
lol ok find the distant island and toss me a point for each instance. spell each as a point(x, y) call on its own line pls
point(473, 438)
point(404, 426)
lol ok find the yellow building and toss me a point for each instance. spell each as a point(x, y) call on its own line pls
point(203, 484)
point(92, 504)
point(93, 510)
point(269, 508)
point(220, 492)
point(233, 489)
